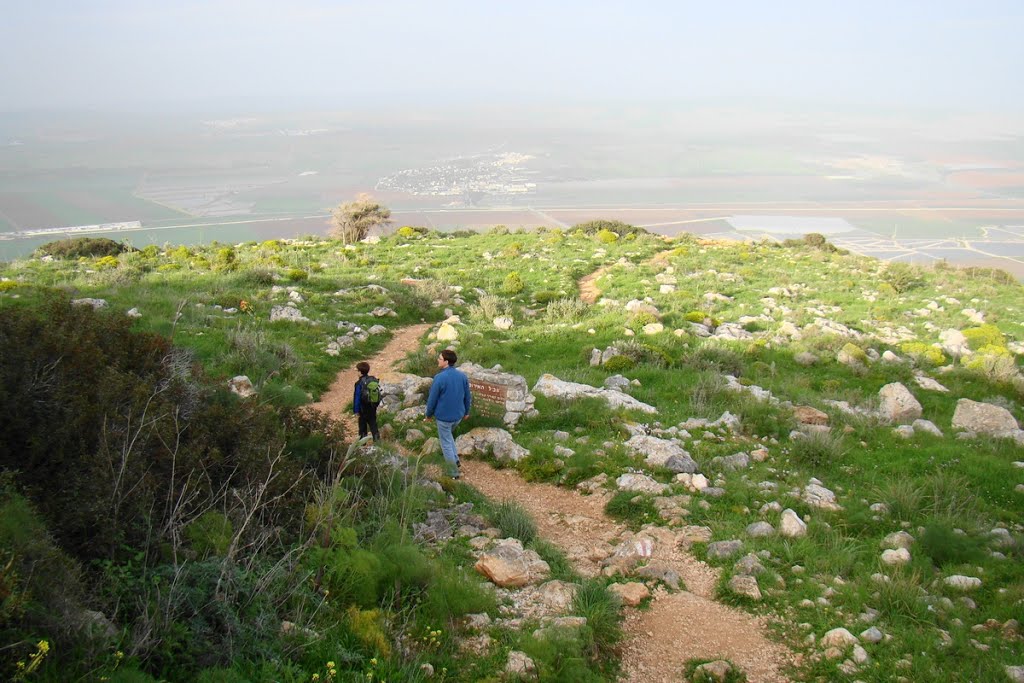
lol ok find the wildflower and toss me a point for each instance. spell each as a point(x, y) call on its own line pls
point(373, 662)
point(316, 677)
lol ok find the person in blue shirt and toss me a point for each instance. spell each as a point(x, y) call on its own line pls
point(449, 404)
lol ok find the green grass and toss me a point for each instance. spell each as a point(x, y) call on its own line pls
point(931, 486)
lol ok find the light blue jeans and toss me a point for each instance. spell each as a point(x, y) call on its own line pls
point(444, 435)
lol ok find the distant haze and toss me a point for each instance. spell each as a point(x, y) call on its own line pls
point(128, 55)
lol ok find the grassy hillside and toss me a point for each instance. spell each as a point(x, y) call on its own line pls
point(801, 321)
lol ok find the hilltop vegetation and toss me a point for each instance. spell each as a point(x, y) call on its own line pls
point(133, 413)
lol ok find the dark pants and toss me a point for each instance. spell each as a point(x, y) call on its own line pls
point(368, 422)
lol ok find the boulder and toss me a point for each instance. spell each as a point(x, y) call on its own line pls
point(490, 440)
point(760, 530)
point(983, 418)
point(631, 594)
point(809, 416)
point(736, 461)
point(503, 322)
point(838, 637)
point(963, 583)
point(927, 426)
point(657, 452)
point(791, 525)
point(96, 304)
point(895, 558)
point(519, 664)
point(557, 595)
point(745, 586)
point(955, 343)
point(447, 332)
point(552, 387)
point(721, 550)
point(289, 313)
point(640, 483)
point(898, 405)
point(820, 497)
point(508, 565)
point(898, 539)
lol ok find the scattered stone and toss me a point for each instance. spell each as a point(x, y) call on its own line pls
point(898, 404)
point(133, 313)
point(641, 483)
point(963, 583)
point(490, 440)
point(96, 304)
point(809, 416)
point(732, 462)
point(447, 332)
point(657, 452)
point(929, 384)
point(520, 664)
point(927, 426)
point(983, 418)
point(791, 525)
point(659, 572)
point(631, 594)
point(288, 313)
point(746, 586)
point(898, 539)
point(904, 432)
point(241, 386)
point(383, 312)
point(871, 635)
point(760, 530)
point(717, 671)
point(503, 322)
point(721, 550)
point(509, 566)
point(552, 387)
point(818, 496)
point(899, 556)
point(838, 637)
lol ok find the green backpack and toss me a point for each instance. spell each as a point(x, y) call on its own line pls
point(371, 390)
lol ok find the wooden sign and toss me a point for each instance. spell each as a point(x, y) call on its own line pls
point(488, 399)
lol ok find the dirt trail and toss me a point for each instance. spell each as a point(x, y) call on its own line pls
point(335, 400)
point(678, 626)
point(589, 293)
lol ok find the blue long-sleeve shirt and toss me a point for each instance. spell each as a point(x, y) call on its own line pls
point(357, 397)
point(449, 399)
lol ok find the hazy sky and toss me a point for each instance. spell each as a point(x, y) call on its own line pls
point(114, 54)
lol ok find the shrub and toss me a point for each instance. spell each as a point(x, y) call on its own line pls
point(76, 247)
point(408, 232)
point(618, 227)
point(107, 262)
point(818, 449)
point(994, 363)
point(513, 284)
point(8, 285)
point(925, 354)
point(902, 277)
point(607, 236)
point(984, 335)
point(566, 310)
point(297, 275)
point(226, 259)
point(619, 364)
point(367, 627)
point(642, 318)
point(946, 547)
point(489, 307)
point(546, 296)
point(514, 521)
point(210, 534)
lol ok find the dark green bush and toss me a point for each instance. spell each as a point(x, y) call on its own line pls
point(947, 547)
point(75, 247)
point(104, 427)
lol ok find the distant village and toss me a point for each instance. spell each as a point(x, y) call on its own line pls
point(491, 174)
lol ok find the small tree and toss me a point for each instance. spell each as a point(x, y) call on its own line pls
point(352, 221)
